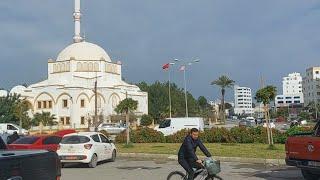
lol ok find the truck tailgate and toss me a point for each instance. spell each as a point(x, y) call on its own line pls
point(303, 148)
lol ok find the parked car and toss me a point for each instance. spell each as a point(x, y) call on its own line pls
point(271, 125)
point(49, 143)
point(303, 150)
point(111, 128)
point(246, 123)
point(10, 128)
point(86, 147)
point(24, 165)
point(172, 125)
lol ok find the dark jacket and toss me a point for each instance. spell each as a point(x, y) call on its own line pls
point(189, 147)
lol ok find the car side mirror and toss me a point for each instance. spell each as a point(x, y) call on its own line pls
point(110, 141)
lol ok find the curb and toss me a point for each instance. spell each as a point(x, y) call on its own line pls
point(267, 162)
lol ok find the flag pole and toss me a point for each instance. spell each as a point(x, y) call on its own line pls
point(185, 90)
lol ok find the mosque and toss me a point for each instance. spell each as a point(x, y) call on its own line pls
point(82, 75)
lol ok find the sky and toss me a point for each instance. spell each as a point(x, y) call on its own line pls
point(245, 40)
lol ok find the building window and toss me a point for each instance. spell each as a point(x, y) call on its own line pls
point(65, 103)
point(45, 104)
point(39, 104)
point(67, 120)
point(317, 72)
point(297, 102)
point(280, 102)
point(82, 103)
point(288, 102)
point(288, 97)
point(62, 120)
point(82, 120)
point(50, 104)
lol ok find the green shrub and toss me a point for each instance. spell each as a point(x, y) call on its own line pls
point(217, 135)
point(297, 129)
point(178, 137)
point(146, 120)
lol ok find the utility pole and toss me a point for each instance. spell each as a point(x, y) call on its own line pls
point(95, 105)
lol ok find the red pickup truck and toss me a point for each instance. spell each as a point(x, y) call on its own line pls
point(303, 151)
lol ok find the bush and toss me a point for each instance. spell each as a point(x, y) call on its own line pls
point(217, 135)
point(297, 130)
point(146, 120)
point(142, 135)
point(178, 137)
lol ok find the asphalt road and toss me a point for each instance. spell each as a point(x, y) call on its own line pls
point(133, 169)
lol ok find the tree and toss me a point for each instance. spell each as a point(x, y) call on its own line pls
point(21, 112)
point(158, 103)
point(223, 82)
point(46, 118)
point(14, 110)
point(126, 106)
point(146, 120)
point(203, 102)
point(266, 95)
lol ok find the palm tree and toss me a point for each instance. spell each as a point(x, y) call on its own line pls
point(266, 95)
point(46, 118)
point(126, 106)
point(223, 82)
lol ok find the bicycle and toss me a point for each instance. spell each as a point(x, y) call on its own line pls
point(200, 174)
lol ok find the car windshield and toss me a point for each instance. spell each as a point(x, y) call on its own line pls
point(26, 140)
point(75, 140)
point(165, 123)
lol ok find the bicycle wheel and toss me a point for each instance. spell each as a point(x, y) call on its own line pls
point(176, 175)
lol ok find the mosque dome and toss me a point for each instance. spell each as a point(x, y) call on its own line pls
point(18, 89)
point(83, 51)
point(3, 93)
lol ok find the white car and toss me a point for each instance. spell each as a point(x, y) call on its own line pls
point(86, 147)
point(271, 125)
point(111, 128)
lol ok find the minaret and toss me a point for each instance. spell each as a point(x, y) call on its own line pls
point(77, 19)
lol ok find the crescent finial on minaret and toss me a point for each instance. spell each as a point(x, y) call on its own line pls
point(77, 22)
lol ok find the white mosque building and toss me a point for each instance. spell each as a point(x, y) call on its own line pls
point(69, 94)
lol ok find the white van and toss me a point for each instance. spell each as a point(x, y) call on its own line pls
point(11, 128)
point(170, 126)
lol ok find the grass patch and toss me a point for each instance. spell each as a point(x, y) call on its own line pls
point(216, 149)
point(126, 146)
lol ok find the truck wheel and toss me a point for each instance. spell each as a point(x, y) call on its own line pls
point(94, 161)
point(309, 175)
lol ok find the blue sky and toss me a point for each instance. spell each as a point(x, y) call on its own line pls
point(243, 39)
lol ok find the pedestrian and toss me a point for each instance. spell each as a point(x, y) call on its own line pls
point(12, 138)
point(256, 121)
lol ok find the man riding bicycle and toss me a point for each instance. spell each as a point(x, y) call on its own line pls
point(187, 157)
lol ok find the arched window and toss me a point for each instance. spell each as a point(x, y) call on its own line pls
point(63, 67)
point(79, 66)
point(90, 66)
point(59, 68)
point(85, 67)
point(54, 68)
point(68, 66)
point(96, 66)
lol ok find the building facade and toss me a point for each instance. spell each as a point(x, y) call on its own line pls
point(242, 100)
point(292, 91)
point(81, 75)
point(311, 86)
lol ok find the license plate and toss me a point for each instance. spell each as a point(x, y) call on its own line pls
point(313, 163)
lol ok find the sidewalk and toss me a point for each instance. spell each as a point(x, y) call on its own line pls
point(266, 162)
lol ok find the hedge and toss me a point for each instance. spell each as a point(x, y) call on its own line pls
point(214, 135)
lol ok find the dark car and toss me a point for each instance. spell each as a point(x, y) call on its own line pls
point(29, 165)
point(246, 123)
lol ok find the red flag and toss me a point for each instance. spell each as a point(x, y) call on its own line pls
point(166, 66)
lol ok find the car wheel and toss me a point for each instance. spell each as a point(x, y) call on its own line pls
point(114, 155)
point(94, 161)
point(308, 175)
